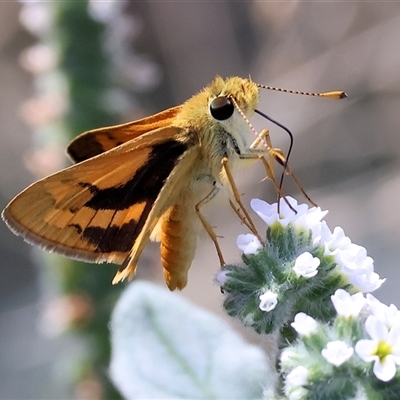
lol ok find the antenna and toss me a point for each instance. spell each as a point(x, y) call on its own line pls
point(335, 95)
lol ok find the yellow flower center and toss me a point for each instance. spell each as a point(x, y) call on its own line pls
point(383, 349)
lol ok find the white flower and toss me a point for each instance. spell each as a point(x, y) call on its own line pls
point(268, 301)
point(39, 58)
point(336, 241)
point(36, 17)
point(311, 219)
point(337, 352)
point(383, 348)
point(352, 256)
point(248, 243)
point(304, 217)
point(306, 265)
point(353, 260)
point(304, 325)
point(295, 382)
point(269, 212)
point(321, 234)
point(390, 315)
point(298, 377)
point(288, 357)
point(354, 263)
point(221, 277)
point(361, 275)
point(365, 282)
point(347, 305)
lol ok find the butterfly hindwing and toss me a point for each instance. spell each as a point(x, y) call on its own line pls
point(95, 210)
point(172, 193)
point(97, 141)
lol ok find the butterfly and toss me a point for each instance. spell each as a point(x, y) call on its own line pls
point(148, 179)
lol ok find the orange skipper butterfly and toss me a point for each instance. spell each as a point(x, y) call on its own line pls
point(148, 179)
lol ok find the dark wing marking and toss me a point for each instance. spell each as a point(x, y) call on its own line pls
point(95, 210)
point(97, 141)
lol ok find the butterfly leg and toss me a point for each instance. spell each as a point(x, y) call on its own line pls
point(277, 155)
point(239, 209)
point(207, 225)
point(261, 145)
point(257, 151)
point(288, 171)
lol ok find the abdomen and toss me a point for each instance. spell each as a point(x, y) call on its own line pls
point(179, 231)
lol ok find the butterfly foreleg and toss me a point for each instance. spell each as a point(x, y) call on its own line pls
point(276, 154)
point(261, 145)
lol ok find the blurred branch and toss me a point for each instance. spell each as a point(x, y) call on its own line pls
point(75, 92)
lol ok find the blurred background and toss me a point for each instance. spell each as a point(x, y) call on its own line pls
point(70, 66)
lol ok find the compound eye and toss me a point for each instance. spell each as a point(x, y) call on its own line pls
point(221, 108)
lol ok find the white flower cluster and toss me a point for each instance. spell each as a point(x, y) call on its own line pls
point(288, 281)
point(352, 261)
point(352, 258)
point(383, 347)
point(303, 217)
point(382, 325)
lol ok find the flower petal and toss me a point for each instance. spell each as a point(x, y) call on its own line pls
point(298, 377)
point(304, 325)
point(248, 243)
point(268, 301)
point(386, 370)
point(348, 305)
point(375, 328)
point(337, 352)
point(366, 349)
point(306, 265)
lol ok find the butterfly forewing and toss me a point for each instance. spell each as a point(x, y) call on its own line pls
point(97, 141)
point(95, 210)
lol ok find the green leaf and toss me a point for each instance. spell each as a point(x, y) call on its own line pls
point(163, 347)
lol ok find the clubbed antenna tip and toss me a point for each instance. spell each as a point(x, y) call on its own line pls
point(336, 95)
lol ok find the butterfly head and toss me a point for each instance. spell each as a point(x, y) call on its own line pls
point(232, 94)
